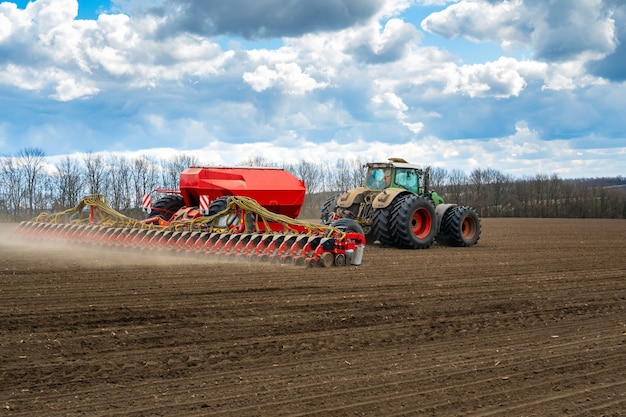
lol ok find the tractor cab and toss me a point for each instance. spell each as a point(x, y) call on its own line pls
point(393, 174)
point(407, 178)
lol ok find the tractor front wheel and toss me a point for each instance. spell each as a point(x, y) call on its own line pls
point(414, 222)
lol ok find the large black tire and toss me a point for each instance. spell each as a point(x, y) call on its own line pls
point(221, 204)
point(167, 206)
point(329, 206)
point(413, 222)
point(381, 227)
point(218, 205)
point(348, 225)
point(460, 226)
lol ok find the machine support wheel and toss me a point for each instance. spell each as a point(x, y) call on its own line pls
point(218, 205)
point(326, 260)
point(414, 222)
point(460, 226)
point(166, 206)
point(340, 260)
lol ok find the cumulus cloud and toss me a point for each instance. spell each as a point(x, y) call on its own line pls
point(346, 77)
point(388, 45)
point(498, 79)
point(558, 30)
point(288, 76)
point(612, 66)
point(482, 20)
point(47, 49)
point(572, 30)
point(262, 18)
point(70, 89)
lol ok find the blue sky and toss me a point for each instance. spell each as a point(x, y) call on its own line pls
point(522, 86)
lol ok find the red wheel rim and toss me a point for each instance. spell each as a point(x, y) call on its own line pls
point(421, 223)
point(468, 228)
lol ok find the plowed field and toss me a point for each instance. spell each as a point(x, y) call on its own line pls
point(531, 322)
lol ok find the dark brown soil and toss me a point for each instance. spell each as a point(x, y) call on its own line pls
point(531, 322)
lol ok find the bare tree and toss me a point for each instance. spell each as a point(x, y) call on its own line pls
point(477, 188)
point(438, 178)
point(144, 177)
point(497, 188)
point(12, 182)
point(310, 173)
point(96, 174)
point(120, 183)
point(540, 184)
point(26, 187)
point(359, 172)
point(523, 197)
point(31, 162)
point(69, 183)
point(174, 166)
point(45, 193)
point(456, 188)
point(257, 161)
point(348, 174)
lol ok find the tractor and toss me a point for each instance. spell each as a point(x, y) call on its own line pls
point(397, 208)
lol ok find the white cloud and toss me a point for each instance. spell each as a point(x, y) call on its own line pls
point(14, 21)
point(498, 79)
point(43, 16)
point(373, 44)
point(68, 89)
point(560, 30)
point(415, 127)
point(6, 26)
point(112, 45)
point(580, 30)
point(365, 86)
point(289, 77)
point(482, 20)
point(21, 77)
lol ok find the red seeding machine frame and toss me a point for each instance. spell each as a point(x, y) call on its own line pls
point(215, 215)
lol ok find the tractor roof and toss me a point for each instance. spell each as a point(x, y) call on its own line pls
point(393, 163)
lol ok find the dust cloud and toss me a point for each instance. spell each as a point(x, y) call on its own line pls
point(106, 256)
point(93, 255)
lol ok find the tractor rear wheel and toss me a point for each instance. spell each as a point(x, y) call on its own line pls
point(414, 222)
point(167, 206)
point(328, 208)
point(382, 228)
point(460, 226)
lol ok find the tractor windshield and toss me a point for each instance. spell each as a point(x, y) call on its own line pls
point(408, 179)
point(378, 178)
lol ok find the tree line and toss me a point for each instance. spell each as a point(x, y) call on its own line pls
point(30, 184)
